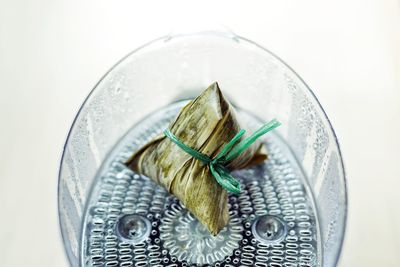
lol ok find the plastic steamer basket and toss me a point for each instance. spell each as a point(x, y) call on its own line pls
point(292, 209)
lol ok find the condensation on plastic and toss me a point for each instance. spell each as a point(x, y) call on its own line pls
point(179, 67)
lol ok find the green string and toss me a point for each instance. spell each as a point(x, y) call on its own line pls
point(217, 165)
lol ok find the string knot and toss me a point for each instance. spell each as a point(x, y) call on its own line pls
point(228, 153)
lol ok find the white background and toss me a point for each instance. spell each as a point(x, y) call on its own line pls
point(53, 52)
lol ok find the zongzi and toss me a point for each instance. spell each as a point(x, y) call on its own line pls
point(206, 124)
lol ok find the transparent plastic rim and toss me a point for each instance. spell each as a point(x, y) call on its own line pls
point(229, 35)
